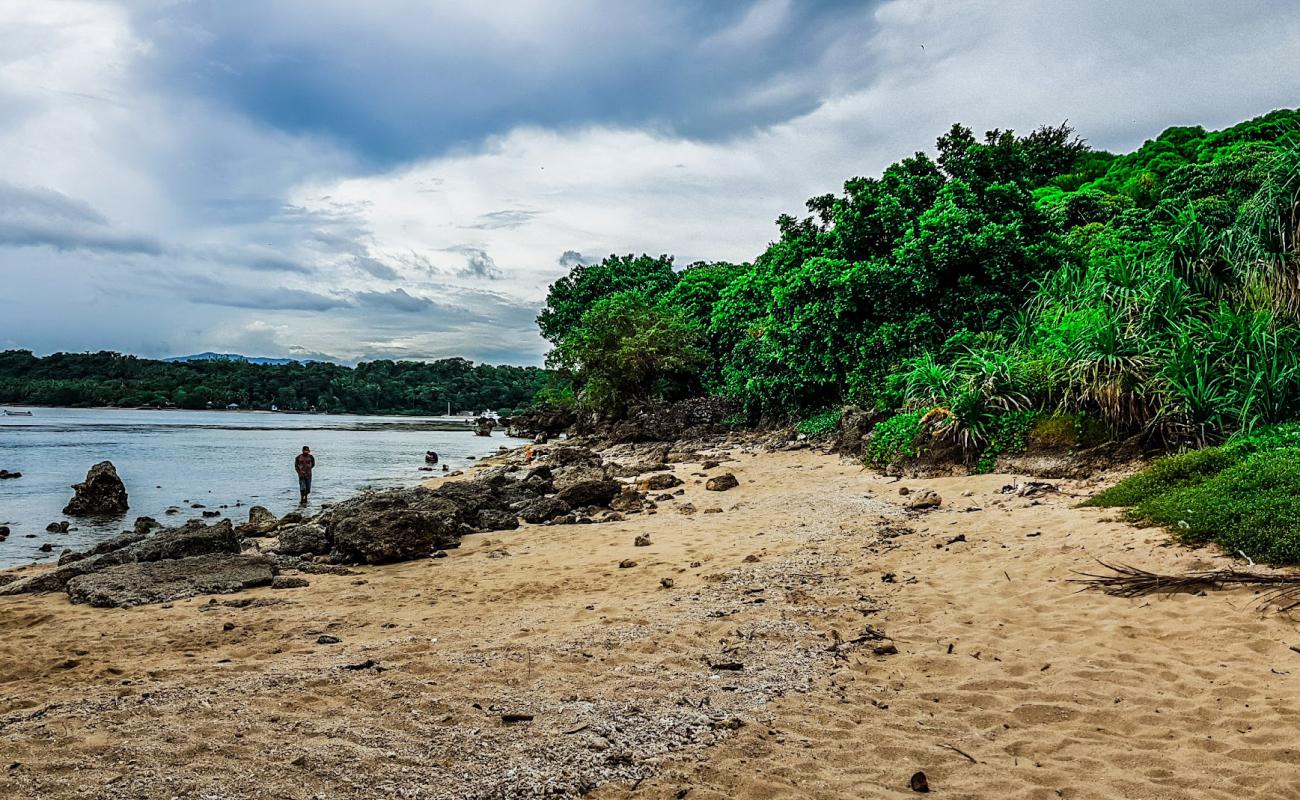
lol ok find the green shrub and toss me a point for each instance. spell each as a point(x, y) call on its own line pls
point(1008, 433)
point(821, 424)
point(1165, 475)
point(896, 438)
point(1251, 507)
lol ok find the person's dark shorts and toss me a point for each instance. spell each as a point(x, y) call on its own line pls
point(304, 484)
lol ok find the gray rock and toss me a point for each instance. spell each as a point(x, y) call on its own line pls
point(101, 494)
point(590, 493)
point(260, 522)
point(307, 539)
point(289, 582)
point(629, 499)
point(544, 509)
point(493, 520)
point(174, 579)
point(383, 527)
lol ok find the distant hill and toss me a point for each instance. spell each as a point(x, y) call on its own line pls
point(231, 357)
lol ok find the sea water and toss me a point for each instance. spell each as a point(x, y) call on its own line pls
point(225, 461)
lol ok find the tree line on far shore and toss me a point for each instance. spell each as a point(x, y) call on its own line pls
point(374, 387)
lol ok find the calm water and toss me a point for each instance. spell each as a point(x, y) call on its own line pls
point(217, 458)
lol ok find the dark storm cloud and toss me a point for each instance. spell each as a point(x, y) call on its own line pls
point(400, 80)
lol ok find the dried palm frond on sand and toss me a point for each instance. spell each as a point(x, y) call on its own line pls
point(1280, 589)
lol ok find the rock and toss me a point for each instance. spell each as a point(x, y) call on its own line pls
point(544, 509)
point(626, 563)
point(439, 553)
point(570, 456)
point(57, 527)
point(923, 499)
point(260, 522)
point(383, 527)
point(628, 499)
point(903, 491)
point(289, 582)
point(137, 584)
point(612, 516)
point(919, 783)
point(306, 539)
point(707, 465)
point(211, 514)
point(722, 483)
point(145, 524)
point(658, 482)
point(325, 638)
point(667, 583)
point(6, 475)
point(4, 532)
point(714, 510)
point(686, 508)
point(46, 548)
point(292, 518)
point(642, 541)
point(492, 520)
point(101, 494)
point(590, 493)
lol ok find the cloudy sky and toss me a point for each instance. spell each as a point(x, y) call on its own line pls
point(403, 178)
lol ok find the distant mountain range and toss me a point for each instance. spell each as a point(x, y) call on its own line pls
point(232, 357)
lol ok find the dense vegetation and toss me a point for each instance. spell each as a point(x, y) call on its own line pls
point(1244, 495)
point(1001, 279)
point(376, 387)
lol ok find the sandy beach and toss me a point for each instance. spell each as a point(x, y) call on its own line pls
point(748, 652)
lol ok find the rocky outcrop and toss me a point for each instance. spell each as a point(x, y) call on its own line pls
point(383, 527)
point(492, 520)
point(173, 579)
point(546, 421)
point(193, 539)
point(306, 539)
point(590, 493)
point(6, 475)
point(544, 509)
point(101, 494)
point(923, 500)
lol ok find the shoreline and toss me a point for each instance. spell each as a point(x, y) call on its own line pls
point(531, 657)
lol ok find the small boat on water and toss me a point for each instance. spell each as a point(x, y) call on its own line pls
point(9, 413)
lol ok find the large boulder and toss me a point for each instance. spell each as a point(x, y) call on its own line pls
point(570, 455)
point(301, 540)
point(101, 494)
point(544, 509)
point(174, 579)
point(383, 527)
point(590, 493)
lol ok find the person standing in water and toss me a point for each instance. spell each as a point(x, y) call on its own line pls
point(303, 465)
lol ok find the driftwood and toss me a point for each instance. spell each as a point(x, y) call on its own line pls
point(1280, 589)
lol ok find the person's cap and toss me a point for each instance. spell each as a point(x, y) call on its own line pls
point(306, 449)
